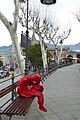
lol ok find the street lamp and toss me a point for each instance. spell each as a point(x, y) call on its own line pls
point(27, 33)
point(48, 2)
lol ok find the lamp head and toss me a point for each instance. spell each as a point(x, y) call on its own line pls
point(21, 1)
point(48, 2)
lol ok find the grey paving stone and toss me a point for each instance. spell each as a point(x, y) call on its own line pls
point(33, 113)
point(57, 110)
point(69, 108)
point(49, 112)
point(78, 119)
point(77, 107)
point(4, 117)
point(35, 118)
point(51, 117)
point(14, 117)
point(51, 104)
point(66, 116)
point(75, 114)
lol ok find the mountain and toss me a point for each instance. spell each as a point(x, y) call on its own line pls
point(6, 50)
point(73, 47)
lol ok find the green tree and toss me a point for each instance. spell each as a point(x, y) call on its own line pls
point(48, 56)
point(1, 63)
point(35, 55)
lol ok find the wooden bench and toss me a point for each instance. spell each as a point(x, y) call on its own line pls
point(18, 105)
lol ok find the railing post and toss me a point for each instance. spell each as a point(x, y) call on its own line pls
point(13, 86)
point(0, 117)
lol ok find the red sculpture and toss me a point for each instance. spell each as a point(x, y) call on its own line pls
point(30, 86)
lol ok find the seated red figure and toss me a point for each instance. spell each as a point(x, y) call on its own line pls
point(30, 86)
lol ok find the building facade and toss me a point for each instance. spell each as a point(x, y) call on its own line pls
point(4, 59)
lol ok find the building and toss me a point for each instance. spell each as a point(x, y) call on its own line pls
point(64, 55)
point(4, 59)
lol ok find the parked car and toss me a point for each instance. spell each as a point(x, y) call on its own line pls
point(2, 74)
point(6, 73)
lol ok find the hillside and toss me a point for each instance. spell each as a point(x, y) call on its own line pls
point(73, 47)
point(7, 49)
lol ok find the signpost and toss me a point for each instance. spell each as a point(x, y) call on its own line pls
point(24, 41)
point(26, 38)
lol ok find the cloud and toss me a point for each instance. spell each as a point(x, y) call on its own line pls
point(63, 9)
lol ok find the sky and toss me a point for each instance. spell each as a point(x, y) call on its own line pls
point(64, 11)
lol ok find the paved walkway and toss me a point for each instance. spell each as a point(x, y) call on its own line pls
point(62, 97)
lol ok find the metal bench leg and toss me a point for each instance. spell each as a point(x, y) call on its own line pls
point(10, 117)
point(0, 117)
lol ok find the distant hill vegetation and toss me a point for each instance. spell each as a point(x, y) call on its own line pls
point(73, 47)
point(7, 49)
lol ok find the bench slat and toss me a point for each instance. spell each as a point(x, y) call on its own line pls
point(8, 89)
point(26, 105)
point(22, 106)
point(24, 110)
point(10, 107)
point(15, 109)
point(19, 106)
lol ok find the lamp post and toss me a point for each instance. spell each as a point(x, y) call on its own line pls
point(27, 36)
point(48, 2)
point(27, 33)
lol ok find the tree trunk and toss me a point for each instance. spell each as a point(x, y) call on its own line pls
point(12, 28)
point(44, 56)
point(20, 58)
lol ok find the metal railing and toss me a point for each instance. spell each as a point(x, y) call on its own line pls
point(13, 79)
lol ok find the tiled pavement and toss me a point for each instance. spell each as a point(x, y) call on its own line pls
point(62, 97)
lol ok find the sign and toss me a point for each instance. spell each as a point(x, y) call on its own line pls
point(24, 41)
point(21, 1)
point(48, 2)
